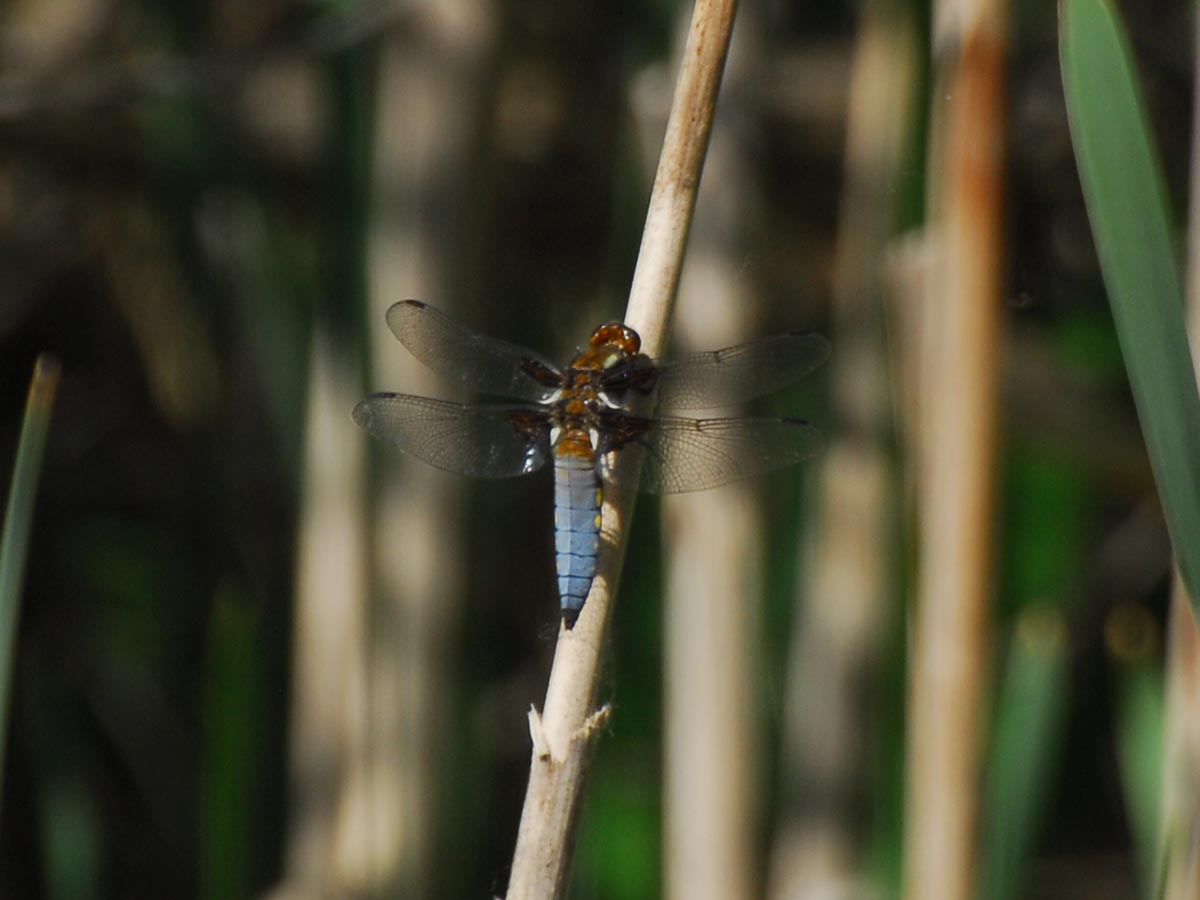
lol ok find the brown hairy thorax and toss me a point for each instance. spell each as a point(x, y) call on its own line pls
point(583, 400)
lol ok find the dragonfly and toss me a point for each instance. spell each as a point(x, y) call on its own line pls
point(593, 419)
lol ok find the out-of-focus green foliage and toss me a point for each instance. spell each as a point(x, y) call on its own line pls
point(620, 850)
point(1026, 749)
point(69, 814)
point(234, 713)
point(1045, 541)
point(1139, 737)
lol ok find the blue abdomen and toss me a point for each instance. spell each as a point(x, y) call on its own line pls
point(576, 531)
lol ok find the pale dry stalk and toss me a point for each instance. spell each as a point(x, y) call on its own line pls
point(1181, 751)
point(433, 81)
point(564, 733)
point(949, 659)
point(837, 631)
point(1181, 742)
point(327, 752)
point(711, 541)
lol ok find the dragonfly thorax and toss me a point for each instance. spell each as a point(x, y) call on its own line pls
point(576, 415)
point(603, 373)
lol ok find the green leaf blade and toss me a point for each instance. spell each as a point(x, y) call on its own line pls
point(1126, 202)
point(18, 521)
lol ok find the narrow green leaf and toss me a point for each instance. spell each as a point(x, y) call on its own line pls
point(18, 520)
point(234, 726)
point(1123, 188)
point(1139, 733)
point(1025, 749)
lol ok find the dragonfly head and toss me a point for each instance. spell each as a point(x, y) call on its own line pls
point(612, 363)
point(621, 338)
point(609, 345)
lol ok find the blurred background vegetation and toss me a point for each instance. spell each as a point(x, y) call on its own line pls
point(205, 208)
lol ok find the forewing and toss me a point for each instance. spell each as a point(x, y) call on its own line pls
point(481, 441)
point(725, 377)
point(677, 455)
point(478, 363)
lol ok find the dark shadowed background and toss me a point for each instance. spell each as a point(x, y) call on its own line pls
point(205, 208)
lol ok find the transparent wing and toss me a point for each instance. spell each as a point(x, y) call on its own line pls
point(478, 363)
point(481, 441)
point(725, 377)
point(677, 455)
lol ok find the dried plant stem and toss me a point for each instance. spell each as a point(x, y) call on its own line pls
point(838, 630)
point(949, 650)
point(563, 734)
point(1181, 746)
point(1181, 741)
point(711, 539)
point(433, 79)
point(708, 770)
point(328, 828)
point(660, 259)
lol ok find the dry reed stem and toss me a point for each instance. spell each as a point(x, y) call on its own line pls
point(432, 82)
point(710, 617)
point(328, 826)
point(1181, 741)
point(837, 631)
point(1181, 753)
point(710, 541)
point(949, 648)
point(563, 734)
point(908, 266)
